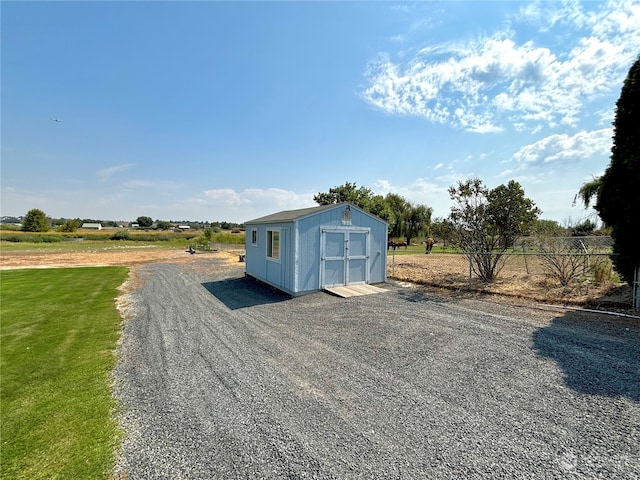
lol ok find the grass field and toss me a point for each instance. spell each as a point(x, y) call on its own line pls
point(59, 332)
point(17, 241)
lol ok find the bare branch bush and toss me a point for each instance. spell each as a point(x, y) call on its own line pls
point(487, 265)
point(561, 260)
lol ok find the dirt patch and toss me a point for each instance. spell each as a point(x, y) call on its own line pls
point(111, 257)
point(127, 256)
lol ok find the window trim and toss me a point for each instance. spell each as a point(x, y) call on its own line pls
point(270, 249)
point(254, 237)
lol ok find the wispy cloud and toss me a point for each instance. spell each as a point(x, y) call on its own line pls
point(106, 173)
point(490, 83)
point(273, 198)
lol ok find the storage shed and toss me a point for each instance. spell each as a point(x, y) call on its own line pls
point(306, 250)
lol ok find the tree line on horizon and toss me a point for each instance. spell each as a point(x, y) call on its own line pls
point(36, 220)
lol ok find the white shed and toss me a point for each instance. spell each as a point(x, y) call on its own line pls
point(92, 226)
point(306, 250)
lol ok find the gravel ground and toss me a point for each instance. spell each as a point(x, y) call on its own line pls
point(222, 377)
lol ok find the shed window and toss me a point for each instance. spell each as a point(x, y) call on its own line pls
point(254, 237)
point(273, 244)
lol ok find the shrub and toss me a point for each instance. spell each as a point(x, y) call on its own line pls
point(602, 270)
point(120, 235)
point(560, 259)
point(51, 239)
point(12, 238)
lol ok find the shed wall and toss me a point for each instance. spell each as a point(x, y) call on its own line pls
point(299, 268)
point(278, 273)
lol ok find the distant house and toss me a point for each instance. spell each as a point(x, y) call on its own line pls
point(306, 250)
point(92, 226)
point(184, 227)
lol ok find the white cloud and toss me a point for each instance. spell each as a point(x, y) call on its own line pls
point(489, 83)
point(565, 148)
point(252, 202)
point(433, 194)
point(106, 173)
point(225, 196)
point(255, 197)
point(546, 15)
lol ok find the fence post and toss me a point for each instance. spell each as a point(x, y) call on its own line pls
point(636, 288)
point(393, 264)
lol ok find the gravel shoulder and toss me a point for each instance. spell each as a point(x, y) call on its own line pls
point(222, 377)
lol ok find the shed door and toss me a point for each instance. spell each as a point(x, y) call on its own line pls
point(344, 257)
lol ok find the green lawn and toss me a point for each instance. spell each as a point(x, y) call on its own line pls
point(58, 338)
point(418, 249)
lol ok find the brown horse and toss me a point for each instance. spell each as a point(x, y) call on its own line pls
point(428, 243)
point(394, 245)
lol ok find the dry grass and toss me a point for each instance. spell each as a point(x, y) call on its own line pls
point(514, 280)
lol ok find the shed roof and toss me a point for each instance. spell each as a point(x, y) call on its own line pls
point(293, 215)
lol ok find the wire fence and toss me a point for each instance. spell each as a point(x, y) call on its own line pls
point(571, 271)
point(464, 267)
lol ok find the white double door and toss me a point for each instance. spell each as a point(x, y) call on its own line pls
point(344, 254)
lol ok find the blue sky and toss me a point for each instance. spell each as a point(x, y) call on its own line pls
point(233, 110)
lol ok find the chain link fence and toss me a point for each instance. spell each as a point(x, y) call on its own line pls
point(572, 269)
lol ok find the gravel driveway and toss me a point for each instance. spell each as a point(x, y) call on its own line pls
point(222, 377)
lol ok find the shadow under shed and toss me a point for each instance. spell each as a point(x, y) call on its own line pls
point(244, 292)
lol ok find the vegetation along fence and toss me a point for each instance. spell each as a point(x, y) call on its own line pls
point(553, 269)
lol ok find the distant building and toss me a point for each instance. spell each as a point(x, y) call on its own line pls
point(184, 227)
point(92, 226)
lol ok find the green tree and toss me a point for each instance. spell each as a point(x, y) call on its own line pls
point(548, 228)
point(35, 221)
point(163, 225)
point(511, 212)
point(588, 191)
point(208, 234)
point(444, 231)
point(379, 207)
point(404, 219)
point(485, 227)
point(349, 192)
point(144, 222)
point(618, 202)
point(416, 221)
point(583, 229)
point(70, 225)
point(396, 206)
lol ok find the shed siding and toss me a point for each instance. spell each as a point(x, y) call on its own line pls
point(299, 267)
point(277, 273)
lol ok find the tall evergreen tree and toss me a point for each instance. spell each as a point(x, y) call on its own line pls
point(618, 202)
